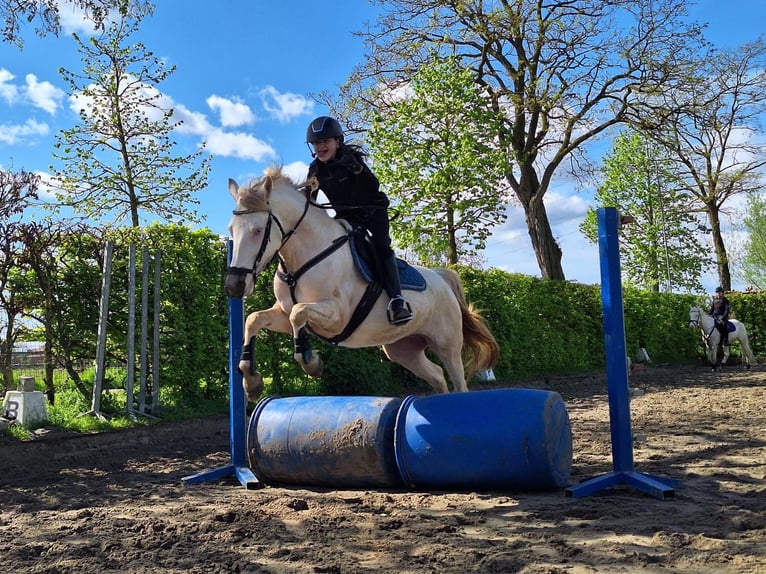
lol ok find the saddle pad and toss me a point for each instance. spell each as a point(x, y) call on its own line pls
point(410, 278)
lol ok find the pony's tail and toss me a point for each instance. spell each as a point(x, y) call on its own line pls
point(480, 349)
point(744, 342)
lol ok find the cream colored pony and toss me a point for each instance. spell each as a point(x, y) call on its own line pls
point(317, 289)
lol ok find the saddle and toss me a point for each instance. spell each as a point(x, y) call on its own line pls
point(366, 262)
point(730, 328)
point(364, 257)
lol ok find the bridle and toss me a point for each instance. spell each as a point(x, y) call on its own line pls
point(267, 236)
point(695, 323)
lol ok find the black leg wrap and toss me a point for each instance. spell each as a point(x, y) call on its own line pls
point(302, 345)
point(248, 354)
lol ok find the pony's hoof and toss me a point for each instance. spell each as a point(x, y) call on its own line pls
point(253, 385)
point(315, 368)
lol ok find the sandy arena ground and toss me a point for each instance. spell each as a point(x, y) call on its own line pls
point(115, 502)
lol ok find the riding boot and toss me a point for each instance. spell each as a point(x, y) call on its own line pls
point(399, 311)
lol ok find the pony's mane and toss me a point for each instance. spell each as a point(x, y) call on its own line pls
point(252, 196)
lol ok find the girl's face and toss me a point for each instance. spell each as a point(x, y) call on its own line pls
point(325, 149)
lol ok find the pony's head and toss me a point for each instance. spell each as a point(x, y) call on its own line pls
point(257, 233)
point(695, 317)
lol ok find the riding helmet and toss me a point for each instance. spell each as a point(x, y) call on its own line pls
point(719, 289)
point(323, 128)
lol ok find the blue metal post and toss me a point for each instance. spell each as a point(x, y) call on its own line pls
point(237, 407)
point(617, 374)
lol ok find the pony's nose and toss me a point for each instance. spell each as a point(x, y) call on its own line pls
point(235, 285)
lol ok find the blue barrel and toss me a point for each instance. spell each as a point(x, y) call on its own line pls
point(325, 441)
point(505, 439)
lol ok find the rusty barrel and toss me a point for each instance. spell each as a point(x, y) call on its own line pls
point(325, 441)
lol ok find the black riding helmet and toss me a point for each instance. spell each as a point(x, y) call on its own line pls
point(323, 128)
point(719, 289)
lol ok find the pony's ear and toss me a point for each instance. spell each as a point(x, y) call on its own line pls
point(268, 183)
point(233, 188)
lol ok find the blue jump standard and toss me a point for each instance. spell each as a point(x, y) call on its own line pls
point(239, 466)
point(623, 472)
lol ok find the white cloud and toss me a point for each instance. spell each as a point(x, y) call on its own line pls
point(43, 95)
point(232, 113)
point(12, 134)
point(9, 92)
point(193, 123)
point(239, 145)
point(562, 209)
point(286, 106)
point(74, 20)
point(296, 171)
point(217, 141)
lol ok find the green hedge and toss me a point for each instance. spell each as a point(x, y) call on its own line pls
point(543, 327)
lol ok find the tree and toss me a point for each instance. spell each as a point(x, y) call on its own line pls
point(118, 162)
point(662, 245)
point(46, 14)
point(62, 293)
point(711, 126)
point(17, 189)
point(754, 263)
point(440, 166)
point(561, 73)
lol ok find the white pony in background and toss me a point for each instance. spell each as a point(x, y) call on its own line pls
point(711, 338)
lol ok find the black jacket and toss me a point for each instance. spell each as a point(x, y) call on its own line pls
point(720, 308)
point(350, 186)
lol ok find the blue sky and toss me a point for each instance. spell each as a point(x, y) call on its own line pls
point(245, 72)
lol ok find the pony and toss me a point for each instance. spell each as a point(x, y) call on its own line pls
point(320, 290)
point(711, 338)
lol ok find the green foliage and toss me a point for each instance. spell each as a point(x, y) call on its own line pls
point(440, 168)
point(754, 263)
point(356, 372)
point(662, 245)
point(193, 326)
point(70, 412)
point(750, 308)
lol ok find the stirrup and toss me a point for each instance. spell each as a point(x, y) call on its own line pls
point(401, 315)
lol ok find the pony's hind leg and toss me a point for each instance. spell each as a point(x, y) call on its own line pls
point(410, 354)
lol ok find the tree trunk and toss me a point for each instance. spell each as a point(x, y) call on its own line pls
point(547, 250)
point(50, 390)
point(722, 257)
point(6, 353)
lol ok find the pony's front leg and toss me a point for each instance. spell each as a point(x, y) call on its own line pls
point(273, 319)
point(322, 315)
